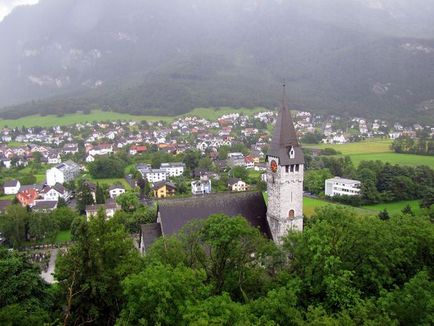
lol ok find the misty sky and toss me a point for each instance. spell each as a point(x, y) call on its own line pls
point(6, 6)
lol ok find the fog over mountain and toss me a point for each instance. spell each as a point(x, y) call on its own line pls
point(361, 57)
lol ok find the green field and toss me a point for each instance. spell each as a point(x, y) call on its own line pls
point(396, 208)
point(376, 149)
point(68, 119)
point(110, 182)
point(311, 204)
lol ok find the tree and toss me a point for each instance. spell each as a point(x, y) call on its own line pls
point(107, 167)
point(314, 180)
point(239, 172)
point(91, 271)
point(42, 226)
point(64, 217)
point(24, 297)
point(191, 159)
point(13, 225)
point(99, 194)
point(61, 202)
point(407, 210)
point(128, 201)
point(84, 198)
point(145, 188)
point(384, 215)
point(161, 294)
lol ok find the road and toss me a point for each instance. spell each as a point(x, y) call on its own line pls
point(48, 276)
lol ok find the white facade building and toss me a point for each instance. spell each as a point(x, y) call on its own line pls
point(11, 187)
point(201, 187)
point(173, 169)
point(340, 186)
point(62, 173)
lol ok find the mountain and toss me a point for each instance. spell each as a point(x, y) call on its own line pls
point(358, 57)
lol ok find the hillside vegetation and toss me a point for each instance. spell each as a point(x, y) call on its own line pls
point(167, 58)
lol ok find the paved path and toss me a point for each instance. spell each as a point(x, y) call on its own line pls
point(48, 276)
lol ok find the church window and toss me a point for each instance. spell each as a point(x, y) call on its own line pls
point(297, 168)
point(287, 168)
point(292, 168)
point(291, 214)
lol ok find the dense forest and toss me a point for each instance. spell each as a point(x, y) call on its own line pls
point(342, 270)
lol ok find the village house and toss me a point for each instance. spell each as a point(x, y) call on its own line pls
point(116, 190)
point(11, 187)
point(202, 186)
point(237, 185)
point(164, 189)
point(109, 209)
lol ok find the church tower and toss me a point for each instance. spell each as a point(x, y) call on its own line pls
point(285, 171)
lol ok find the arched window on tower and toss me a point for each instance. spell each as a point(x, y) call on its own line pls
point(291, 214)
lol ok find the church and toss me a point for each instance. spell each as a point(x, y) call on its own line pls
point(284, 211)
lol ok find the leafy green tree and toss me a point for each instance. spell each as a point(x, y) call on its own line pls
point(61, 203)
point(160, 295)
point(239, 172)
point(314, 180)
point(128, 201)
point(64, 217)
point(407, 210)
point(191, 159)
point(42, 226)
point(91, 271)
point(13, 224)
point(84, 198)
point(384, 215)
point(24, 297)
point(107, 167)
point(99, 194)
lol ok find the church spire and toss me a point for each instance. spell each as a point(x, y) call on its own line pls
point(284, 136)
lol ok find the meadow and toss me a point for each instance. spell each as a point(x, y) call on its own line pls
point(97, 115)
point(377, 149)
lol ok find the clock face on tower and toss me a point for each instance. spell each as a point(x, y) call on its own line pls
point(273, 166)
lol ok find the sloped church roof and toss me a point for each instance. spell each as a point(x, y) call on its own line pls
point(285, 137)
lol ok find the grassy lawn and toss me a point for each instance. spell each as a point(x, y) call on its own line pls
point(63, 236)
point(97, 115)
point(311, 204)
point(110, 182)
point(7, 197)
point(377, 149)
point(396, 208)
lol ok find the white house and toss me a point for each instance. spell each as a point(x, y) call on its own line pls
point(11, 187)
point(152, 175)
point(62, 173)
point(55, 192)
point(340, 186)
point(201, 187)
point(116, 190)
point(173, 169)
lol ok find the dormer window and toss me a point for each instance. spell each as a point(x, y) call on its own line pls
point(291, 152)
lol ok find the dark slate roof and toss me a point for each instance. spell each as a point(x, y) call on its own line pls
point(150, 233)
point(10, 183)
point(45, 204)
point(233, 181)
point(285, 137)
point(175, 213)
point(4, 204)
